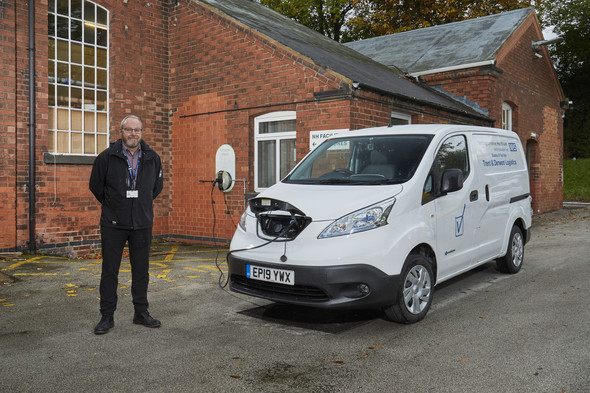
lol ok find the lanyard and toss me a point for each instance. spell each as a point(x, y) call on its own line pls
point(132, 173)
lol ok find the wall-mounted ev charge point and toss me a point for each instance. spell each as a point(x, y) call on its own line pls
point(225, 168)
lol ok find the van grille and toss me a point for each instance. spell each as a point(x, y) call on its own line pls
point(278, 291)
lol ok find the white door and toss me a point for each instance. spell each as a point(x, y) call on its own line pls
point(455, 217)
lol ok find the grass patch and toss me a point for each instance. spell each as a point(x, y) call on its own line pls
point(576, 180)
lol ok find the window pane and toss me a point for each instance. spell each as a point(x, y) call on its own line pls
point(62, 27)
point(51, 95)
point(63, 50)
point(51, 51)
point(62, 7)
point(89, 34)
point(89, 121)
point(102, 122)
point(89, 11)
point(102, 142)
point(88, 77)
point(76, 120)
point(76, 30)
point(63, 142)
point(63, 73)
point(51, 141)
point(63, 96)
point(101, 79)
point(63, 122)
point(453, 155)
point(51, 122)
point(76, 9)
point(101, 100)
point(76, 98)
point(277, 126)
point(76, 75)
point(266, 163)
point(89, 143)
point(76, 53)
point(51, 71)
point(89, 102)
point(101, 16)
point(101, 58)
point(88, 55)
point(288, 156)
point(76, 143)
point(101, 36)
point(51, 25)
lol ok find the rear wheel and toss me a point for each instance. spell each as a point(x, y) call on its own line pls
point(512, 261)
point(415, 293)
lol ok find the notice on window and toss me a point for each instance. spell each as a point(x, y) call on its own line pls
point(317, 137)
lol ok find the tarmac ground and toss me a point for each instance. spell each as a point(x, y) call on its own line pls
point(486, 331)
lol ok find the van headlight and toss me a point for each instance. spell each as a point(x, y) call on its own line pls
point(242, 222)
point(371, 217)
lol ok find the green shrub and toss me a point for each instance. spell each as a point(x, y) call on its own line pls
point(576, 180)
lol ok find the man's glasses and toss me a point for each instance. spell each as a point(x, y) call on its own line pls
point(132, 130)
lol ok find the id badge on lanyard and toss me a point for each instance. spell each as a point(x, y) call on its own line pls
point(132, 179)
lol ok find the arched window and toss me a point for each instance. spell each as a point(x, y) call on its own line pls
point(506, 116)
point(78, 77)
point(274, 148)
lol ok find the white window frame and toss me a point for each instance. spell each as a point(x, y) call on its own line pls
point(401, 116)
point(275, 136)
point(506, 116)
point(93, 121)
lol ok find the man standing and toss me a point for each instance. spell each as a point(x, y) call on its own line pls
point(125, 179)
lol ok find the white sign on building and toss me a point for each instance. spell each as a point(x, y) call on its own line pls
point(317, 137)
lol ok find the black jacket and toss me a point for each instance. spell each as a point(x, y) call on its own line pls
point(109, 183)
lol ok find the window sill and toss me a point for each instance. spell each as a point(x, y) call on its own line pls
point(51, 158)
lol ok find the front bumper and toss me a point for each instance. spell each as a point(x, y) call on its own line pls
point(331, 287)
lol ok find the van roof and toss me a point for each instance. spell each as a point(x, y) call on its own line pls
point(429, 129)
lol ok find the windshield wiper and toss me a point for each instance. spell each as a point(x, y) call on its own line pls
point(340, 181)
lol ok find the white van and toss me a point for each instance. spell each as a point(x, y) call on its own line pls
point(375, 218)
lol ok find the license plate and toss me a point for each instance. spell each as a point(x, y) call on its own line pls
point(270, 275)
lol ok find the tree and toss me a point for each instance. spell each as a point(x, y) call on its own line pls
point(380, 17)
point(325, 16)
point(571, 20)
point(350, 20)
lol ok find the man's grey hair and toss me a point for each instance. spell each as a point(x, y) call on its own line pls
point(130, 117)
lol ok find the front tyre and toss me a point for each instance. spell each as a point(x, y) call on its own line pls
point(512, 261)
point(415, 294)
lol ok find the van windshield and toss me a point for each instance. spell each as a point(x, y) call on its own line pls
point(383, 159)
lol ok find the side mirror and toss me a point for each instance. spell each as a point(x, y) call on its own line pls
point(452, 180)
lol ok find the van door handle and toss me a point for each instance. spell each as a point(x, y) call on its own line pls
point(487, 192)
point(473, 196)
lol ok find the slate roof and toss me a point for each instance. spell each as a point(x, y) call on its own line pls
point(328, 53)
point(462, 43)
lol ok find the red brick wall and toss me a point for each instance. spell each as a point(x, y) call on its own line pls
point(66, 215)
point(8, 123)
point(530, 85)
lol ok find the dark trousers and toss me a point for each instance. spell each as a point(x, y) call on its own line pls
point(113, 242)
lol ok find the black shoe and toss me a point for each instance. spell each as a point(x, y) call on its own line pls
point(106, 322)
point(145, 319)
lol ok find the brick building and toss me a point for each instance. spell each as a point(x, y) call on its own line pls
point(202, 74)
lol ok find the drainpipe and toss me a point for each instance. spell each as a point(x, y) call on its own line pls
point(32, 243)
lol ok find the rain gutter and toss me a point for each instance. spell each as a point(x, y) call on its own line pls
point(453, 68)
